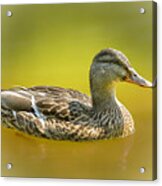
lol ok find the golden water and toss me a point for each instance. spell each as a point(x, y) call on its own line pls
point(54, 45)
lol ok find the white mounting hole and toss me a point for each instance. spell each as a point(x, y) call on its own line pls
point(9, 166)
point(142, 10)
point(9, 13)
point(142, 170)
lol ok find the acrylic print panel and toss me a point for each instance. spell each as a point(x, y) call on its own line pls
point(60, 133)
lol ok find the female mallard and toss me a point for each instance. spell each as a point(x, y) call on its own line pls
point(66, 114)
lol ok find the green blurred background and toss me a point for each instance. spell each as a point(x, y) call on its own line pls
point(55, 45)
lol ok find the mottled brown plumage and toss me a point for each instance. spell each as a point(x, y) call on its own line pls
point(66, 114)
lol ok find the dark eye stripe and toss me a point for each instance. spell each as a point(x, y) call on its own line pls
point(113, 60)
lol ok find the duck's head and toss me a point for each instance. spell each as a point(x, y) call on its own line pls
point(110, 66)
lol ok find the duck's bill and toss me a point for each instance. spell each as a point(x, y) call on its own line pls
point(139, 80)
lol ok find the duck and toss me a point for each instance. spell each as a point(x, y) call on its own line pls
point(67, 114)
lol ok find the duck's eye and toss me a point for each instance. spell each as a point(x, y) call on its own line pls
point(135, 75)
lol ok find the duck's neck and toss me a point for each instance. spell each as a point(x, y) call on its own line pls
point(103, 96)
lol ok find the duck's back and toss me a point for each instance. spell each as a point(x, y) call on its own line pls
point(59, 102)
point(40, 106)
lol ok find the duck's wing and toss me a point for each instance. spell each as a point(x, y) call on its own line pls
point(46, 101)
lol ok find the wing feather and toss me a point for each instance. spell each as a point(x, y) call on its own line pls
point(56, 102)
